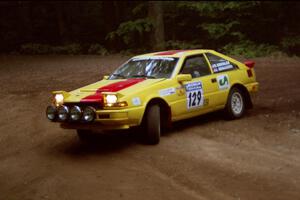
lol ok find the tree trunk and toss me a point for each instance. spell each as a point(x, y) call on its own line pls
point(110, 13)
point(61, 22)
point(26, 27)
point(155, 13)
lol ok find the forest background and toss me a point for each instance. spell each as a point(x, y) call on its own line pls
point(248, 28)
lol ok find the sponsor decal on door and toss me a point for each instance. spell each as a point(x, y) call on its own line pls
point(223, 82)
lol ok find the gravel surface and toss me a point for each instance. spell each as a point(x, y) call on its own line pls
point(207, 157)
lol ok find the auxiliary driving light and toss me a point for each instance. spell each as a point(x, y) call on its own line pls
point(75, 113)
point(59, 99)
point(63, 113)
point(51, 113)
point(89, 114)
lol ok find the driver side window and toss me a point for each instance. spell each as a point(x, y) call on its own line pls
point(196, 66)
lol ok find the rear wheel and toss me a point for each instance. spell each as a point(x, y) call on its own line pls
point(153, 125)
point(235, 107)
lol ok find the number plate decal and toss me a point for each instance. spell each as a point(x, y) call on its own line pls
point(194, 95)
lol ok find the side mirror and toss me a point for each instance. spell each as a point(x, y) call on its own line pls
point(184, 77)
point(105, 77)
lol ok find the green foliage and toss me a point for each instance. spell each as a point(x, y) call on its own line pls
point(140, 8)
point(249, 49)
point(66, 49)
point(290, 41)
point(214, 8)
point(128, 30)
point(291, 45)
point(253, 28)
point(34, 48)
point(73, 49)
point(97, 49)
point(127, 52)
point(176, 44)
point(218, 30)
point(31, 48)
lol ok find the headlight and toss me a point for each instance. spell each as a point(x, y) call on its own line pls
point(111, 99)
point(59, 99)
point(51, 113)
point(89, 114)
point(63, 113)
point(75, 113)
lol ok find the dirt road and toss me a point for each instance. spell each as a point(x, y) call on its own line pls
point(256, 157)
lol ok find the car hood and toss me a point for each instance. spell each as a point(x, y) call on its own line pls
point(93, 92)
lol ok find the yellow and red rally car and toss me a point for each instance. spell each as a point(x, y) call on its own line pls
point(156, 89)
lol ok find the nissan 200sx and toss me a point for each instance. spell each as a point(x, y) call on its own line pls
point(153, 90)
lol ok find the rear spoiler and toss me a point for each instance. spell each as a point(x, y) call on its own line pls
point(249, 63)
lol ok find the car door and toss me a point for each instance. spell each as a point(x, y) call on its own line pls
point(223, 71)
point(199, 92)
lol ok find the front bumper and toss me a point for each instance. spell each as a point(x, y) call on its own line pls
point(93, 126)
point(110, 120)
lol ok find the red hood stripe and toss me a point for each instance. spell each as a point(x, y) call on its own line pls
point(114, 87)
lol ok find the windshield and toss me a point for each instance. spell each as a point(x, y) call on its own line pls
point(145, 67)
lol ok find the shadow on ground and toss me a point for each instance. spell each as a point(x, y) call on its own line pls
point(115, 141)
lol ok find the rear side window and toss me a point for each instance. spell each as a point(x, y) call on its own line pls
point(196, 66)
point(219, 64)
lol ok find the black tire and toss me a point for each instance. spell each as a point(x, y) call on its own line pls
point(235, 106)
point(153, 125)
point(84, 135)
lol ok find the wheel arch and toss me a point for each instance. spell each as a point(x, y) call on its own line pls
point(165, 110)
point(246, 94)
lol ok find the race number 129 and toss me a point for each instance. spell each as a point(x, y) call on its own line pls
point(194, 94)
point(194, 98)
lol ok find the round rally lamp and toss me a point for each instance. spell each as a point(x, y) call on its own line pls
point(59, 99)
point(75, 113)
point(63, 113)
point(51, 113)
point(89, 114)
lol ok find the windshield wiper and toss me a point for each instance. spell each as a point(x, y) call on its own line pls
point(143, 75)
point(119, 75)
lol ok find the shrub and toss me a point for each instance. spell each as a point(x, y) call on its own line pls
point(66, 49)
point(176, 44)
point(32, 48)
point(291, 44)
point(130, 30)
point(97, 49)
point(249, 49)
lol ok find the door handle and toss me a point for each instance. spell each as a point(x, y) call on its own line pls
point(213, 80)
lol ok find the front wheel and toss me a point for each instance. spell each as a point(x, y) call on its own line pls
point(153, 125)
point(235, 107)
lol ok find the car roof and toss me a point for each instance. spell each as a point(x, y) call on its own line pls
point(174, 53)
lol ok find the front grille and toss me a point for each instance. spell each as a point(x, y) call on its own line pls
point(103, 116)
